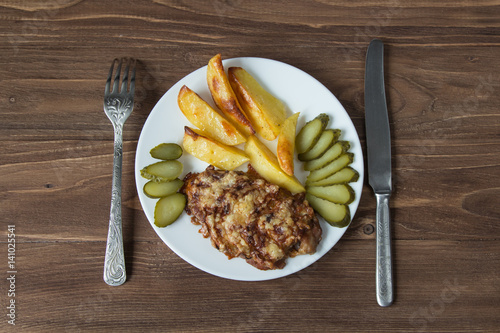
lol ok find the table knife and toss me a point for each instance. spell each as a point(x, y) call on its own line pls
point(378, 142)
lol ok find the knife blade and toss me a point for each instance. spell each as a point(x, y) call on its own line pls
point(378, 142)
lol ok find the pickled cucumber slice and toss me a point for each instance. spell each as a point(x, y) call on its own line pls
point(331, 154)
point(326, 140)
point(168, 209)
point(162, 171)
point(310, 133)
point(161, 189)
point(337, 215)
point(329, 169)
point(338, 193)
point(346, 175)
point(166, 151)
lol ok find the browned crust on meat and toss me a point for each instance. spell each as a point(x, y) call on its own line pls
point(246, 216)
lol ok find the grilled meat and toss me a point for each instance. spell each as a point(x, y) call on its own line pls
point(246, 216)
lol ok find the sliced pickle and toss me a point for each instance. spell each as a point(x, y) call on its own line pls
point(168, 209)
point(162, 171)
point(329, 169)
point(162, 189)
point(327, 139)
point(310, 133)
point(338, 193)
point(345, 175)
point(331, 154)
point(337, 215)
point(166, 151)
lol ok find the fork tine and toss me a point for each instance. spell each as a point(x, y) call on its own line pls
point(116, 82)
point(132, 77)
point(125, 77)
point(108, 81)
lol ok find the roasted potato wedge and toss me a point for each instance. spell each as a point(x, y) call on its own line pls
point(337, 215)
point(203, 116)
point(346, 175)
point(213, 152)
point(310, 133)
point(266, 164)
point(224, 97)
point(338, 193)
point(325, 141)
point(286, 144)
point(265, 112)
point(332, 153)
point(329, 169)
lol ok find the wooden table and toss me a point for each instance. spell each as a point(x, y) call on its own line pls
point(443, 90)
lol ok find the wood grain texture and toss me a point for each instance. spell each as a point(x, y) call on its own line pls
point(442, 82)
point(165, 293)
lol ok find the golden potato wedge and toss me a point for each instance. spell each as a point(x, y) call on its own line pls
point(266, 164)
point(213, 152)
point(286, 144)
point(265, 112)
point(203, 116)
point(224, 97)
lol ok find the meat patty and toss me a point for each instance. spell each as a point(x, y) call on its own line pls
point(246, 216)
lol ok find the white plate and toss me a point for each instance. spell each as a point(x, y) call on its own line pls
point(301, 93)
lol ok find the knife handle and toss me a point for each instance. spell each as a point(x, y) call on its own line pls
point(384, 258)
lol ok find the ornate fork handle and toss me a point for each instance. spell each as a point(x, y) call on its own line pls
point(114, 261)
point(118, 105)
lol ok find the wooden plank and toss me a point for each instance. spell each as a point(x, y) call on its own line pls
point(165, 293)
point(56, 161)
point(419, 100)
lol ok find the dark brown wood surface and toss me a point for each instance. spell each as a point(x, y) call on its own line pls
point(443, 91)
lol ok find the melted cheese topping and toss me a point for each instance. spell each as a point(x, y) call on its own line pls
point(249, 217)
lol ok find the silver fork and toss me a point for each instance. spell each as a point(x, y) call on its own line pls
point(118, 105)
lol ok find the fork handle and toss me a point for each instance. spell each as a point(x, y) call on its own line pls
point(384, 256)
point(114, 260)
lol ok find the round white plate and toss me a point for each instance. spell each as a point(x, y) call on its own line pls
point(301, 93)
